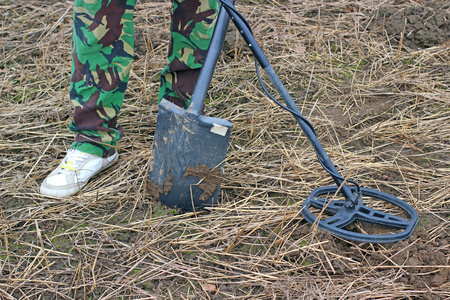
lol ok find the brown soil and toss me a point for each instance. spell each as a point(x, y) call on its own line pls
point(153, 190)
point(417, 26)
point(210, 179)
point(168, 185)
point(422, 263)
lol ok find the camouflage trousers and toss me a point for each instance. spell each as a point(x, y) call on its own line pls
point(103, 43)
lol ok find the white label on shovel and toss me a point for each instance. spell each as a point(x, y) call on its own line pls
point(219, 129)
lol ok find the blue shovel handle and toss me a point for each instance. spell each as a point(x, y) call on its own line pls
point(207, 72)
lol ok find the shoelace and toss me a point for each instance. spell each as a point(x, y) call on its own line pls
point(72, 160)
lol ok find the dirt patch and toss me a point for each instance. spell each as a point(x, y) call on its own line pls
point(210, 179)
point(421, 261)
point(168, 184)
point(417, 27)
point(153, 190)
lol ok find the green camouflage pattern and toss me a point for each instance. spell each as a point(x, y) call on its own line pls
point(191, 29)
point(102, 53)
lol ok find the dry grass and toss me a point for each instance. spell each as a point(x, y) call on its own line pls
point(382, 112)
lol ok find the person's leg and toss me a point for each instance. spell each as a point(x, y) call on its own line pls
point(101, 60)
point(103, 42)
point(191, 30)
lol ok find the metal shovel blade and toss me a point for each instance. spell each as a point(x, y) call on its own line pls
point(188, 155)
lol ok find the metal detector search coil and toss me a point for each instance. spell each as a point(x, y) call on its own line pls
point(344, 215)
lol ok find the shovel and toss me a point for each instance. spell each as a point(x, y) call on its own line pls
point(188, 148)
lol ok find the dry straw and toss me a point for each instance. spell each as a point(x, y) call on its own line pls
point(381, 110)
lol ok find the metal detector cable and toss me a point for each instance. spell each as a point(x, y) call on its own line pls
point(333, 174)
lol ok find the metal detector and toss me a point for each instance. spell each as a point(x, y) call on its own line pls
point(325, 200)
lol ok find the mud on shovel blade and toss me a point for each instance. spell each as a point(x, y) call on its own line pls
point(189, 148)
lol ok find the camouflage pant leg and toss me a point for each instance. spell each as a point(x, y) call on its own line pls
point(191, 28)
point(103, 42)
point(101, 61)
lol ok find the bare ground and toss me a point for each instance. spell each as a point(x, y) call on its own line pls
point(373, 78)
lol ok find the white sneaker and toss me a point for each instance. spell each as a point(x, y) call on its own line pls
point(74, 172)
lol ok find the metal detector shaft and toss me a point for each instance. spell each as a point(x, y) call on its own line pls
point(264, 62)
point(207, 72)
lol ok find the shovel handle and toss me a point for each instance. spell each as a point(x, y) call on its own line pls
point(207, 72)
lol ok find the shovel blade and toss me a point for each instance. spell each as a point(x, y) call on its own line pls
point(188, 155)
